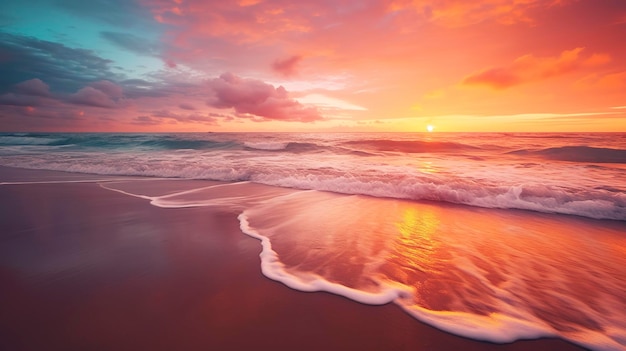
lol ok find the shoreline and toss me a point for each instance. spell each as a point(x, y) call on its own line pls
point(83, 267)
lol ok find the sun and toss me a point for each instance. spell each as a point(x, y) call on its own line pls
point(430, 128)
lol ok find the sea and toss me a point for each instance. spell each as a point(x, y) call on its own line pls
point(492, 236)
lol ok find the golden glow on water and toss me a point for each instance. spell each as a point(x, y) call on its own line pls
point(415, 249)
point(417, 228)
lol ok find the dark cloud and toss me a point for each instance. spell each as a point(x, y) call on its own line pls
point(287, 67)
point(257, 98)
point(35, 92)
point(65, 69)
point(132, 43)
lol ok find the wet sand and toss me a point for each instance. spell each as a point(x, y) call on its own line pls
point(86, 268)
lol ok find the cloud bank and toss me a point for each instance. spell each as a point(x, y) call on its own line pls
point(257, 98)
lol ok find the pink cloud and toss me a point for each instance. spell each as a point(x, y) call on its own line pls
point(192, 117)
point(92, 97)
point(257, 98)
point(98, 94)
point(33, 92)
point(287, 67)
point(146, 121)
point(111, 89)
point(251, 35)
point(186, 106)
point(529, 68)
point(170, 63)
point(13, 99)
point(34, 87)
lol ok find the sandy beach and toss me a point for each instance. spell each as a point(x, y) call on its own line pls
point(86, 268)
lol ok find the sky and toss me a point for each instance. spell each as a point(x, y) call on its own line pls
point(313, 65)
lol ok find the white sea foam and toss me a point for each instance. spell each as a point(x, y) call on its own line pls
point(266, 145)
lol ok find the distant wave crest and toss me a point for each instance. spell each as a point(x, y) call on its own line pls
point(26, 140)
point(577, 154)
point(284, 146)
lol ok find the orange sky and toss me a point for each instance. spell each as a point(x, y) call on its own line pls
point(253, 65)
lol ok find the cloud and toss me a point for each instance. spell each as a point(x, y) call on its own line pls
point(91, 97)
point(12, 99)
point(146, 121)
point(615, 81)
point(461, 13)
point(109, 88)
point(98, 94)
point(132, 43)
point(138, 88)
point(33, 92)
point(257, 98)
point(287, 67)
point(529, 68)
point(62, 68)
point(33, 87)
point(328, 103)
point(161, 115)
point(186, 106)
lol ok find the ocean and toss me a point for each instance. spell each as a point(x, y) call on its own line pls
point(492, 236)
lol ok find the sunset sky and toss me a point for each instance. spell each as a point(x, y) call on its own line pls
point(312, 65)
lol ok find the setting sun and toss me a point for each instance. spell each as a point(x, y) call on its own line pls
point(430, 128)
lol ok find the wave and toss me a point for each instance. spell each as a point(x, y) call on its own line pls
point(130, 141)
point(599, 203)
point(338, 164)
point(412, 146)
point(578, 153)
point(182, 144)
point(265, 145)
point(295, 147)
point(25, 139)
point(299, 147)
